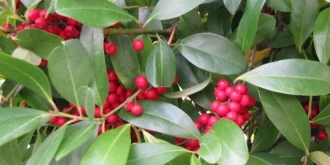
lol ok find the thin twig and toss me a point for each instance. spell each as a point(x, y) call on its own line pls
point(137, 132)
point(251, 58)
point(169, 42)
point(11, 93)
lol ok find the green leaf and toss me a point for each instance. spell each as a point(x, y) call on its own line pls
point(15, 122)
point(266, 26)
point(231, 137)
point(302, 20)
point(86, 98)
point(151, 139)
point(266, 136)
point(264, 159)
point(164, 118)
point(181, 159)
point(189, 91)
point(288, 116)
point(324, 101)
point(111, 147)
point(24, 142)
point(35, 100)
point(290, 52)
point(212, 53)
point(282, 39)
point(319, 157)
point(232, 5)
point(6, 45)
point(280, 5)
point(210, 148)
point(247, 28)
point(161, 65)
point(294, 77)
point(219, 21)
point(189, 24)
point(321, 36)
point(98, 13)
point(11, 153)
point(26, 74)
point(195, 161)
point(46, 151)
point(323, 117)
point(125, 62)
point(92, 39)
point(70, 68)
point(46, 42)
point(167, 9)
point(145, 52)
point(288, 153)
point(153, 154)
point(75, 139)
point(26, 55)
point(30, 3)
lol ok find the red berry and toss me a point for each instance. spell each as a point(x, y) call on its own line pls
point(63, 35)
point(54, 29)
point(142, 96)
point(235, 96)
point(41, 22)
point(198, 125)
point(43, 63)
point(121, 91)
point(246, 116)
point(70, 31)
point(73, 22)
point(203, 118)
point(160, 90)
point(193, 143)
point(112, 98)
point(222, 110)
point(214, 105)
point(20, 27)
point(136, 109)
point(138, 45)
point(212, 120)
point(241, 88)
point(53, 120)
point(112, 87)
point(112, 76)
point(97, 112)
point(141, 82)
point(151, 94)
point(178, 140)
point(176, 80)
point(322, 135)
point(229, 90)
point(245, 101)
point(110, 48)
point(234, 106)
point(33, 15)
point(129, 93)
point(112, 119)
point(43, 13)
point(6, 28)
point(240, 120)
point(231, 115)
point(223, 84)
point(221, 96)
point(252, 102)
point(60, 121)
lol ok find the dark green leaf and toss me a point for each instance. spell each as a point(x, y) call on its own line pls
point(320, 158)
point(161, 65)
point(290, 52)
point(280, 5)
point(30, 3)
point(125, 62)
point(145, 52)
point(324, 101)
point(75, 139)
point(167, 9)
point(181, 159)
point(231, 137)
point(86, 98)
point(266, 26)
point(26, 74)
point(288, 116)
point(195, 161)
point(232, 5)
point(189, 108)
point(322, 36)
point(288, 153)
point(6, 45)
point(69, 69)
point(24, 142)
point(323, 117)
point(153, 154)
point(210, 148)
point(247, 28)
point(35, 100)
point(302, 20)
point(265, 137)
point(189, 24)
point(282, 39)
point(264, 159)
point(164, 118)
point(46, 42)
point(219, 21)
point(15, 122)
point(46, 151)
point(11, 153)
point(96, 13)
point(92, 39)
point(212, 53)
point(292, 76)
point(111, 147)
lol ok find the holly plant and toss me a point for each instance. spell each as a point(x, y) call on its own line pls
point(164, 82)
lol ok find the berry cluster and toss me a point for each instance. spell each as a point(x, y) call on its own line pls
point(110, 48)
point(321, 133)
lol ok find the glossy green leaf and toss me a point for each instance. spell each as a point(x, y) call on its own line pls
point(151, 139)
point(189, 24)
point(26, 74)
point(24, 142)
point(6, 45)
point(92, 39)
point(264, 159)
point(266, 26)
point(47, 149)
point(11, 153)
point(30, 3)
point(212, 53)
point(321, 36)
point(302, 20)
point(282, 39)
point(195, 161)
point(181, 159)
point(292, 76)
point(145, 52)
point(231, 137)
point(280, 5)
point(26, 55)
point(161, 65)
point(86, 98)
point(324, 101)
point(75, 139)
point(111, 147)
point(167, 9)
point(290, 52)
point(93, 13)
point(189, 91)
point(46, 42)
point(125, 62)
point(232, 5)
point(35, 100)
point(247, 28)
point(70, 68)
point(319, 157)
point(153, 154)
point(323, 117)
point(266, 136)
point(210, 148)
point(288, 153)
point(288, 116)
point(164, 118)
point(219, 21)
point(15, 122)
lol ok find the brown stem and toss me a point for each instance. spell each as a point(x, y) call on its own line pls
point(251, 58)
point(112, 31)
point(132, 7)
point(137, 132)
point(10, 94)
point(169, 42)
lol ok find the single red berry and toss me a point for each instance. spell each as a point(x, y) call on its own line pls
point(112, 98)
point(232, 115)
point(245, 101)
point(151, 94)
point(222, 110)
point(229, 90)
point(235, 96)
point(112, 119)
point(63, 35)
point(128, 106)
point(198, 125)
point(43, 63)
point(241, 88)
point(246, 116)
point(240, 120)
point(53, 120)
point(193, 143)
point(138, 45)
point(112, 87)
point(160, 90)
point(70, 31)
point(252, 102)
point(234, 106)
point(221, 95)
point(110, 48)
point(121, 91)
point(97, 112)
point(41, 22)
point(322, 135)
point(141, 82)
point(54, 29)
point(203, 118)
point(178, 140)
point(43, 13)
point(112, 76)
point(223, 84)
point(129, 93)
point(6, 28)
point(142, 96)
point(214, 105)
point(33, 15)
point(136, 109)
point(60, 121)
point(207, 129)
point(212, 120)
